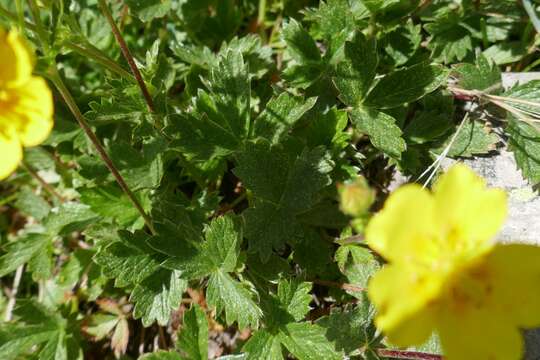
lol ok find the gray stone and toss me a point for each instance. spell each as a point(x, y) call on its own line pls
point(501, 171)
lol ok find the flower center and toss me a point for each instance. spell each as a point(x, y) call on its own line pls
point(472, 288)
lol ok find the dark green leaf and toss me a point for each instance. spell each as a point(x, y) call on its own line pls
point(128, 261)
point(406, 85)
point(300, 45)
point(482, 76)
point(280, 115)
point(350, 329)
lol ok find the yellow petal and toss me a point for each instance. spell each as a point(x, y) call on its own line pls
point(472, 214)
point(16, 62)
point(34, 110)
point(10, 154)
point(516, 283)
point(479, 335)
point(405, 229)
point(403, 296)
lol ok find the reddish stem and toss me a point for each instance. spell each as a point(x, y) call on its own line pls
point(411, 355)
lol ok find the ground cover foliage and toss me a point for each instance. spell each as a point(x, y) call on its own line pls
point(259, 117)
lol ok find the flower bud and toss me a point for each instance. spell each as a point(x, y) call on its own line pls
point(356, 197)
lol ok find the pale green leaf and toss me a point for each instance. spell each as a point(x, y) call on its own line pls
point(235, 298)
point(193, 336)
point(382, 130)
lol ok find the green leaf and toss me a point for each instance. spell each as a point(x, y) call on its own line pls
point(403, 42)
point(307, 342)
point(355, 74)
point(237, 299)
point(31, 204)
point(128, 261)
point(350, 329)
point(335, 20)
point(17, 339)
point(406, 85)
point(147, 10)
point(357, 263)
point(383, 133)
point(101, 325)
point(295, 297)
point(524, 142)
point(157, 296)
point(69, 217)
point(449, 39)
point(193, 337)
point(313, 251)
point(280, 115)
point(283, 187)
point(376, 6)
point(110, 201)
point(220, 121)
point(300, 45)
point(505, 53)
point(219, 251)
point(161, 355)
point(223, 240)
point(257, 56)
point(142, 169)
point(473, 139)
point(427, 126)
point(326, 129)
point(263, 346)
point(482, 76)
point(229, 84)
point(41, 330)
point(21, 251)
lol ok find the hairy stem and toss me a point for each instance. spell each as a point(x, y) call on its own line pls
point(96, 55)
point(39, 28)
point(529, 8)
point(86, 50)
point(43, 183)
point(73, 107)
point(127, 54)
point(13, 295)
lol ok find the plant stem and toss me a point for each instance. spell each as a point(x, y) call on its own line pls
point(86, 50)
point(342, 286)
point(127, 54)
point(43, 183)
point(72, 105)
point(262, 13)
point(529, 8)
point(40, 30)
point(8, 199)
point(13, 295)
point(411, 355)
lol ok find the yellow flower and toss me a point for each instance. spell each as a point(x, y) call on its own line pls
point(446, 274)
point(26, 103)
